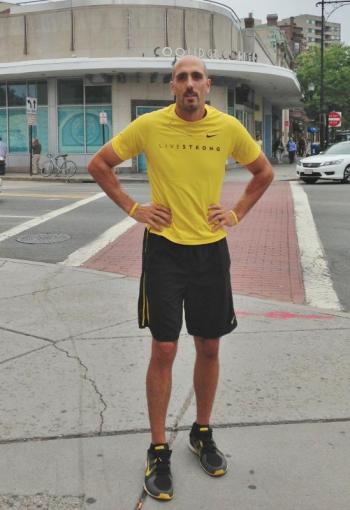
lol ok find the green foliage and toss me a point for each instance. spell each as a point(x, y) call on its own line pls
point(336, 80)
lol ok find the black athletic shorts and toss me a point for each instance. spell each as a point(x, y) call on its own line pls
point(177, 276)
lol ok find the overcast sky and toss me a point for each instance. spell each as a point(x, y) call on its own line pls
point(285, 9)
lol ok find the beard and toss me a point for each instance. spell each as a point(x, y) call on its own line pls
point(190, 106)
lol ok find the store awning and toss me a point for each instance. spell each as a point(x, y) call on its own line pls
point(277, 84)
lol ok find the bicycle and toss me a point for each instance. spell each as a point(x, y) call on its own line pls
point(55, 166)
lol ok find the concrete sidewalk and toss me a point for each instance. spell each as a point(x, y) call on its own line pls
point(282, 172)
point(74, 427)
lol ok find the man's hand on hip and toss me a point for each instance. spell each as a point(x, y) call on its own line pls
point(158, 216)
point(218, 217)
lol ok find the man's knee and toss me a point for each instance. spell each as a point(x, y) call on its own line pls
point(164, 352)
point(207, 348)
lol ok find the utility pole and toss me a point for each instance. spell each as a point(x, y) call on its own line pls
point(323, 111)
point(323, 125)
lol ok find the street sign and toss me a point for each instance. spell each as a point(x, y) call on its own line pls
point(334, 119)
point(32, 105)
point(32, 119)
point(103, 118)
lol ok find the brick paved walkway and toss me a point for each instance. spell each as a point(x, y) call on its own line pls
point(264, 248)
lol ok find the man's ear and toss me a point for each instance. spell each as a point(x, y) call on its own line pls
point(209, 84)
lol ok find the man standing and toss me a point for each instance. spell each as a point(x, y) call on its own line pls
point(36, 151)
point(292, 149)
point(185, 256)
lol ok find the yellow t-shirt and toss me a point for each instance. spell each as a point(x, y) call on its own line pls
point(186, 165)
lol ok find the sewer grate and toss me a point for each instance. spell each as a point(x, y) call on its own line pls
point(48, 238)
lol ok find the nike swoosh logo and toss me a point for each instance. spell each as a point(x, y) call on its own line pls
point(210, 136)
point(149, 469)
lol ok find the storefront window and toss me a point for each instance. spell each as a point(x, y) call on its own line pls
point(16, 94)
point(41, 130)
point(71, 137)
point(79, 129)
point(70, 92)
point(95, 137)
point(3, 124)
point(13, 115)
point(98, 94)
point(18, 132)
point(231, 102)
point(2, 94)
point(39, 90)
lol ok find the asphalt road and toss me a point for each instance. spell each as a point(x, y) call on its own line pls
point(330, 208)
point(24, 201)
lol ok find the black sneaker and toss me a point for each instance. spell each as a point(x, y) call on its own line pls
point(202, 444)
point(158, 479)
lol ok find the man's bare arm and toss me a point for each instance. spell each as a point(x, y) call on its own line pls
point(261, 180)
point(101, 168)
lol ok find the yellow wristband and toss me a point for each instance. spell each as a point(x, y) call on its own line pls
point(133, 209)
point(234, 216)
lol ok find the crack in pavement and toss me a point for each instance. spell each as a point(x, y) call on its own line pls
point(182, 428)
point(89, 379)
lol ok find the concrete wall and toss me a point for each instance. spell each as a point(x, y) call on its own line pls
point(112, 31)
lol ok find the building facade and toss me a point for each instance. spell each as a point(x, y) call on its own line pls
point(311, 26)
point(82, 58)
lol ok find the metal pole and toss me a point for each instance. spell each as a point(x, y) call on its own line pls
point(322, 116)
point(30, 149)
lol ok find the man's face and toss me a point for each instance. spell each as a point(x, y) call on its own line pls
point(190, 85)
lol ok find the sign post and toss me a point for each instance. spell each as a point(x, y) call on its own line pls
point(32, 109)
point(103, 121)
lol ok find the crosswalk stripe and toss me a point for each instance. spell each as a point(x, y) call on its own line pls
point(319, 290)
point(45, 217)
point(80, 256)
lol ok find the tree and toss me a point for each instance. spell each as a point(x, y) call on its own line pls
point(336, 80)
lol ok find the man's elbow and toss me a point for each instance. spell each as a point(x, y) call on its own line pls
point(93, 165)
point(270, 174)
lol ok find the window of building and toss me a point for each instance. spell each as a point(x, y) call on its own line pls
point(3, 124)
point(13, 115)
point(2, 94)
point(231, 102)
point(38, 89)
point(79, 128)
point(16, 94)
point(70, 92)
point(100, 94)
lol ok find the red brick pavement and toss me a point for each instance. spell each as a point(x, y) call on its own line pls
point(264, 248)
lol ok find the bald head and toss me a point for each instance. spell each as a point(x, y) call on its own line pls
point(189, 60)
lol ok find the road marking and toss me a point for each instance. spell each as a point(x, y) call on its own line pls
point(44, 195)
point(49, 216)
point(319, 290)
point(78, 257)
point(13, 216)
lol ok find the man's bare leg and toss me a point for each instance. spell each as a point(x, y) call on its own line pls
point(205, 377)
point(158, 385)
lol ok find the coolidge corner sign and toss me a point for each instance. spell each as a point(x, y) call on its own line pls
point(166, 51)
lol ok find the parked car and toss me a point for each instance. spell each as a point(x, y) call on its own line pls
point(332, 164)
